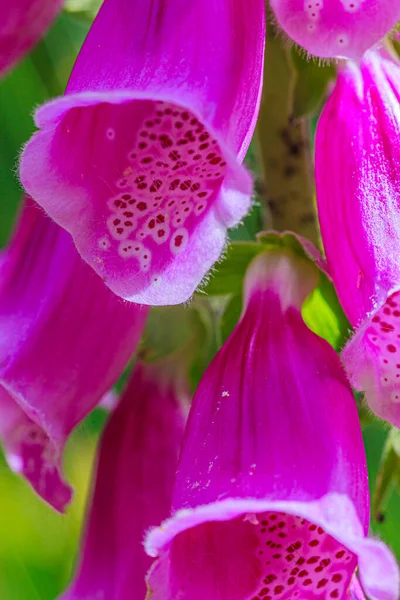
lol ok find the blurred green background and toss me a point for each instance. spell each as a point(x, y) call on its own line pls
point(37, 546)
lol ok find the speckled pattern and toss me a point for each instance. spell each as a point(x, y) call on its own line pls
point(172, 173)
point(301, 560)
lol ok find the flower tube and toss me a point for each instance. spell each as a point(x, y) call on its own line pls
point(359, 211)
point(133, 487)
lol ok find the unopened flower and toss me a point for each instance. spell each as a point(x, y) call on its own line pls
point(133, 488)
point(22, 24)
point(65, 339)
point(141, 159)
point(336, 28)
point(358, 193)
point(271, 497)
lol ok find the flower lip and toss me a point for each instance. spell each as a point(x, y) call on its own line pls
point(51, 113)
point(334, 513)
point(372, 358)
point(30, 451)
point(230, 508)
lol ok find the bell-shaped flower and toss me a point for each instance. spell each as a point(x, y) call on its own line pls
point(336, 28)
point(141, 159)
point(22, 24)
point(133, 488)
point(357, 159)
point(271, 497)
point(65, 339)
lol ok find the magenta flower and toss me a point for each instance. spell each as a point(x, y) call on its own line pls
point(140, 161)
point(137, 464)
point(336, 28)
point(22, 24)
point(65, 339)
point(271, 496)
point(359, 212)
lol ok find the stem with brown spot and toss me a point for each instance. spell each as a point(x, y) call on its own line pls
point(285, 150)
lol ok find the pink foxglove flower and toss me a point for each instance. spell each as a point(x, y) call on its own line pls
point(135, 474)
point(22, 24)
point(358, 194)
point(336, 28)
point(271, 497)
point(141, 160)
point(65, 339)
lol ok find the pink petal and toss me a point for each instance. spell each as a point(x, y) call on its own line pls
point(271, 490)
point(336, 28)
point(137, 463)
point(359, 211)
point(141, 160)
point(22, 24)
point(65, 338)
point(31, 453)
point(372, 359)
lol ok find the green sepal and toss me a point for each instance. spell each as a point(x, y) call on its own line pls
point(324, 315)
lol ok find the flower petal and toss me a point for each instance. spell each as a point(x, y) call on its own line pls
point(137, 463)
point(359, 210)
point(30, 452)
point(358, 198)
point(336, 28)
point(141, 163)
point(65, 337)
point(22, 24)
point(372, 359)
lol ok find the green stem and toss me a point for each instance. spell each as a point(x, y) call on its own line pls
point(285, 150)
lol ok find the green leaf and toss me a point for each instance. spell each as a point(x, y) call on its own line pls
point(41, 75)
point(324, 315)
point(16, 125)
point(85, 9)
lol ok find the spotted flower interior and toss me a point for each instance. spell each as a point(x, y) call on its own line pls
point(383, 335)
point(266, 556)
point(156, 171)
